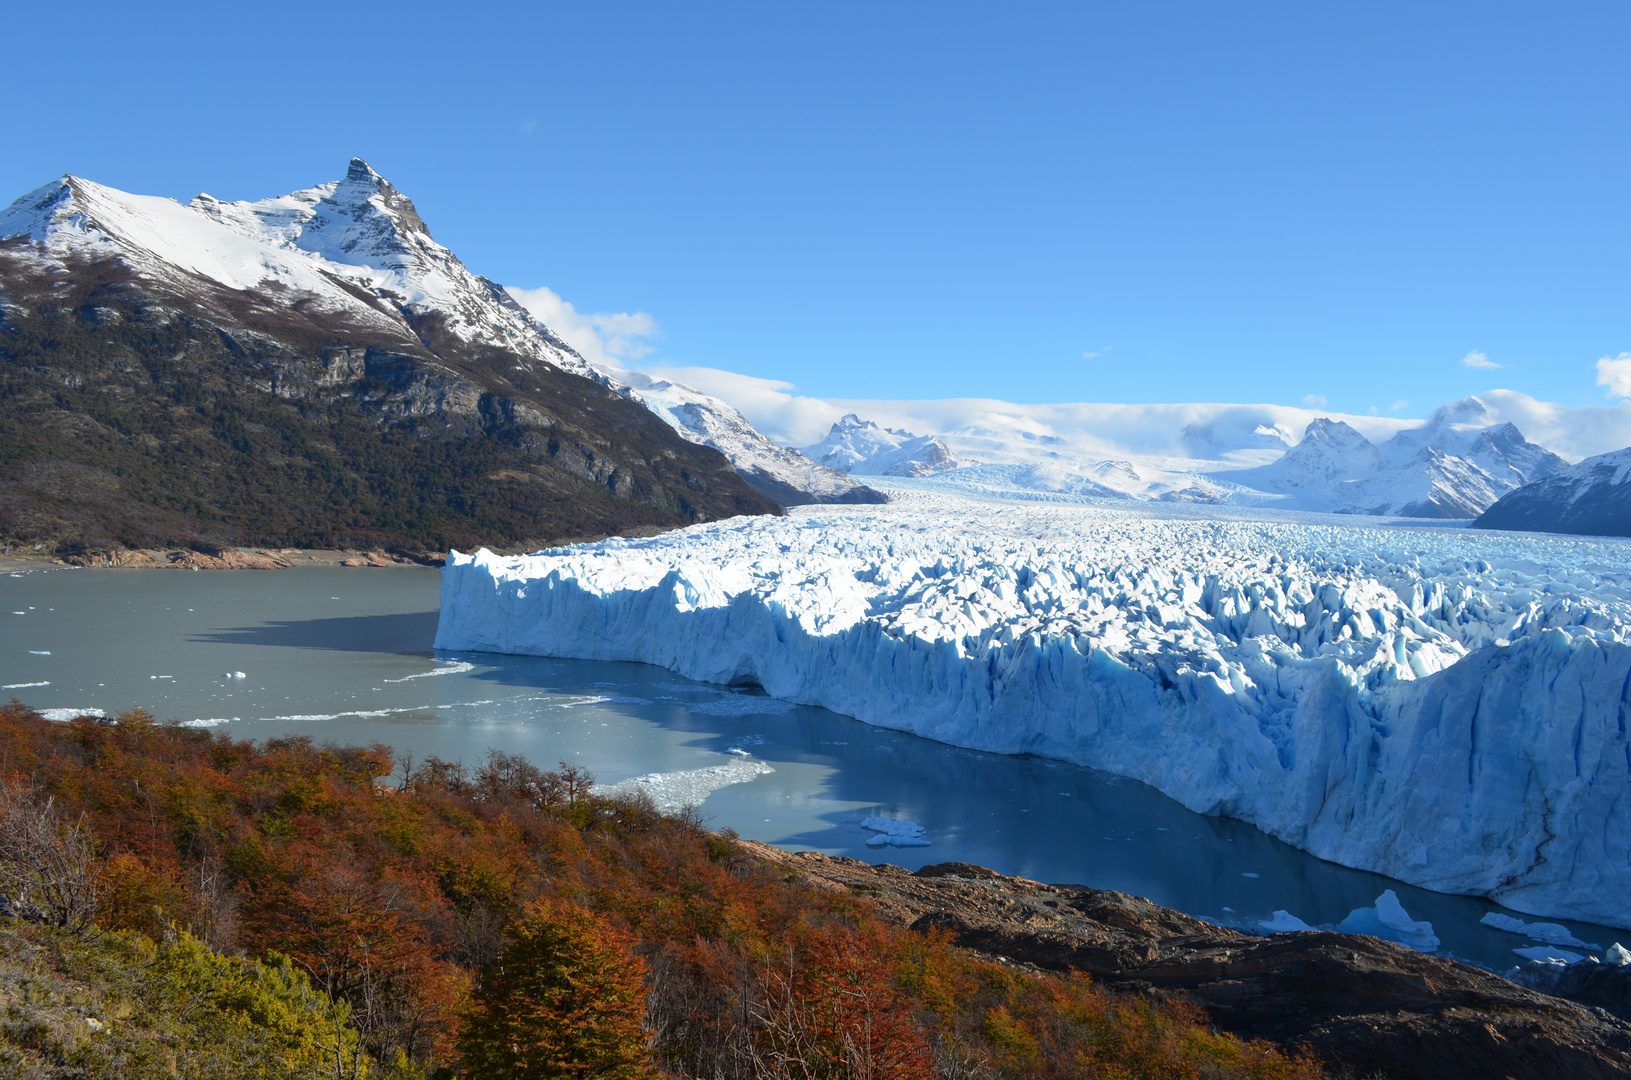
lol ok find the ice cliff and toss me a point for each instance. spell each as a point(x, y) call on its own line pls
point(1443, 707)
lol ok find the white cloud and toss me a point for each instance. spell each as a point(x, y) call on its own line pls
point(1614, 372)
point(605, 339)
point(1100, 351)
point(1573, 433)
point(1476, 359)
point(1314, 401)
point(1397, 405)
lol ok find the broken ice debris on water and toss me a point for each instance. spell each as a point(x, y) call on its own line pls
point(70, 714)
point(241, 675)
point(1549, 954)
point(892, 833)
point(1550, 932)
point(1387, 920)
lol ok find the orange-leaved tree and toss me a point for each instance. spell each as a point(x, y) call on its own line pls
point(565, 1000)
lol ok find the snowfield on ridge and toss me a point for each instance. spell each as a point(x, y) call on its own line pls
point(1444, 707)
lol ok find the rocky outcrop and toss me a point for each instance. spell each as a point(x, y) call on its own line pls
point(1368, 1008)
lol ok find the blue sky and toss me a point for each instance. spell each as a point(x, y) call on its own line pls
point(1181, 202)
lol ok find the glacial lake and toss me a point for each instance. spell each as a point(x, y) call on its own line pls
point(345, 655)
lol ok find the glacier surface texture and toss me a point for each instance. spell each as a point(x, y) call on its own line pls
point(1444, 707)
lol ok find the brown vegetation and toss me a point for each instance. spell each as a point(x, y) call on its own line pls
point(412, 903)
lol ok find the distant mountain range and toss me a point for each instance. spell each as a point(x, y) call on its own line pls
point(314, 369)
point(1454, 466)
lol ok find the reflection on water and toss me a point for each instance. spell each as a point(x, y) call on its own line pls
point(345, 655)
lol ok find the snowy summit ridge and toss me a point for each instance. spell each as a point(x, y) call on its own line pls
point(356, 251)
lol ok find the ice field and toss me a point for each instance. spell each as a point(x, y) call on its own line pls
point(1444, 707)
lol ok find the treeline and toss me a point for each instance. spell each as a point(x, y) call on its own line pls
point(505, 921)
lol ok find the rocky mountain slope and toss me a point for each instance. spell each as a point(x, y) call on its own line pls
point(312, 370)
point(1592, 498)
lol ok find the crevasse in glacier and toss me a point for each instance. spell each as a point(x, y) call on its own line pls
point(1443, 707)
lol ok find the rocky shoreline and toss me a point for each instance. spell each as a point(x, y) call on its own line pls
point(1367, 1007)
point(226, 558)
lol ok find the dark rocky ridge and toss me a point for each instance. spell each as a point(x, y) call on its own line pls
point(1368, 1008)
point(1592, 498)
point(140, 412)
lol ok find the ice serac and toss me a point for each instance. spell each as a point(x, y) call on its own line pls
point(1592, 498)
point(1441, 707)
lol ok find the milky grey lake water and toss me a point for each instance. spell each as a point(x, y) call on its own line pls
point(345, 655)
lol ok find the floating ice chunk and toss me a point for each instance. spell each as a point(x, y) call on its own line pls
point(452, 668)
point(1550, 932)
point(60, 715)
point(892, 833)
point(673, 791)
point(213, 722)
point(233, 675)
point(23, 685)
point(1617, 955)
point(1282, 922)
point(1549, 954)
point(1389, 920)
point(19, 613)
point(39, 652)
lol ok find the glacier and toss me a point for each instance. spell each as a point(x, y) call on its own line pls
point(1444, 707)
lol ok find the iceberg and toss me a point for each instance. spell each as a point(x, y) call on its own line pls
point(1439, 706)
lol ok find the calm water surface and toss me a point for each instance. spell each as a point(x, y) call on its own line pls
point(345, 655)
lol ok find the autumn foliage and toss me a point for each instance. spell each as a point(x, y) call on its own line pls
point(505, 921)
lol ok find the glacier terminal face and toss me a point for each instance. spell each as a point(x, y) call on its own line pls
point(1444, 707)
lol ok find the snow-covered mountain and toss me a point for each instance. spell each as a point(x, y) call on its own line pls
point(1591, 498)
point(862, 448)
point(1453, 466)
point(1440, 706)
point(781, 473)
point(355, 251)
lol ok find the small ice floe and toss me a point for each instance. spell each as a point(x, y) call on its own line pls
point(19, 613)
point(673, 791)
point(39, 652)
point(741, 705)
point(1618, 955)
point(233, 675)
point(1389, 920)
point(1550, 932)
point(892, 833)
point(161, 676)
point(61, 715)
point(450, 667)
point(739, 747)
point(213, 722)
point(1282, 922)
point(1549, 954)
point(23, 685)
